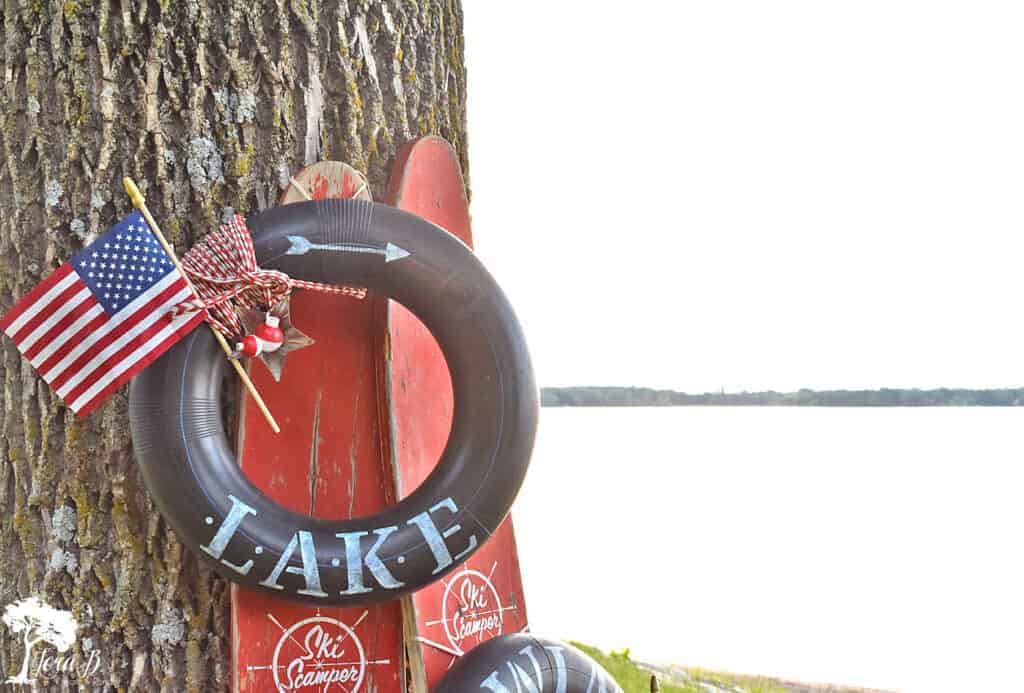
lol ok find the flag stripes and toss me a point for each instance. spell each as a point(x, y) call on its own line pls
point(103, 316)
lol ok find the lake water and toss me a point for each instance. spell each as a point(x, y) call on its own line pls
point(873, 547)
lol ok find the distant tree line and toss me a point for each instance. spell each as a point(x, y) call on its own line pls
point(592, 396)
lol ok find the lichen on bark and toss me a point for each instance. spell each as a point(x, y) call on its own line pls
point(208, 105)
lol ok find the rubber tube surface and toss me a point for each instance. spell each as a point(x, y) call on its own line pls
point(191, 472)
point(523, 662)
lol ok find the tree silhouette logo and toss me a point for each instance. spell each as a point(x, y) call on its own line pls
point(37, 621)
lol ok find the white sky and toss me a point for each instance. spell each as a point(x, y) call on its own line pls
point(754, 195)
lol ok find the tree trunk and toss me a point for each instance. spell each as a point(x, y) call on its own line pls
point(213, 105)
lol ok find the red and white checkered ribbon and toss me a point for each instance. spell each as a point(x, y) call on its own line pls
point(224, 271)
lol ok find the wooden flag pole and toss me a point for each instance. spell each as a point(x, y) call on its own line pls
point(140, 204)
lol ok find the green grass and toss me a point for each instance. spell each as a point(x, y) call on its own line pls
point(631, 677)
point(635, 679)
point(751, 684)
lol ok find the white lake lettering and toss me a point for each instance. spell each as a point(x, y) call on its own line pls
point(363, 570)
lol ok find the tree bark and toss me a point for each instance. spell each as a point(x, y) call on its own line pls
point(210, 106)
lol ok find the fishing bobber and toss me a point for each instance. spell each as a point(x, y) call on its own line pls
point(267, 337)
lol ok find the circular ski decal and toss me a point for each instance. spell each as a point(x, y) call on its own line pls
point(320, 654)
point(472, 609)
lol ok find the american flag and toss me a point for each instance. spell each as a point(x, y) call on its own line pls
point(103, 315)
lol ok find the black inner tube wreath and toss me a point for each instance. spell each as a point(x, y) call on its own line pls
point(190, 470)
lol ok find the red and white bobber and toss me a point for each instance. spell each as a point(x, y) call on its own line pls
point(268, 337)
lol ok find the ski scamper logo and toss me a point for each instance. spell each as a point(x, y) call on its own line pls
point(471, 608)
point(319, 653)
point(470, 612)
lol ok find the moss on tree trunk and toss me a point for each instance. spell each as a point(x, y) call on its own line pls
point(211, 106)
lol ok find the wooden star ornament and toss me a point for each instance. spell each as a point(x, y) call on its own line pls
point(294, 338)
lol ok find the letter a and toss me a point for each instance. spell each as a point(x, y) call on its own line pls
point(309, 569)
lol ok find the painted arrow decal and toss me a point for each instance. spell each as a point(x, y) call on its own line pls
point(300, 245)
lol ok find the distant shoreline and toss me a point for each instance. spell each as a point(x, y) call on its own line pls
point(597, 396)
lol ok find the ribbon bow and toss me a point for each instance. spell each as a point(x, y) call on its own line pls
point(224, 271)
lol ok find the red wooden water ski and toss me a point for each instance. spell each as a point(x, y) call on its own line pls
point(328, 461)
point(484, 597)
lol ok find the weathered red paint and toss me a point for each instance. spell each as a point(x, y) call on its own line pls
point(328, 461)
point(427, 180)
point(358, 430)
